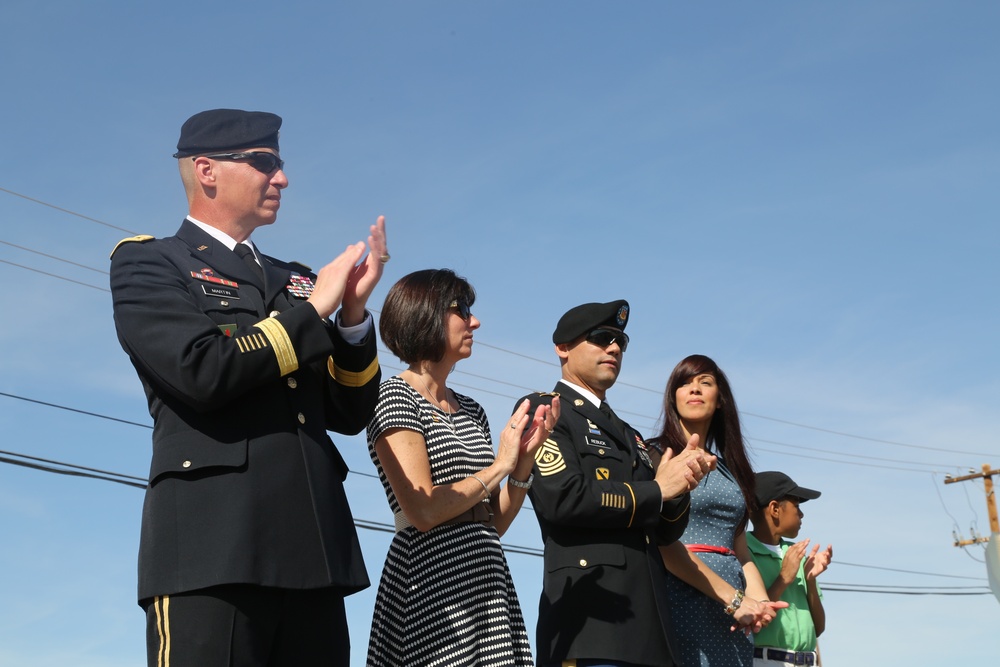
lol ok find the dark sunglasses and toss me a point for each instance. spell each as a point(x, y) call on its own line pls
point(463, 309)
point(265, 163)
point(604, 338)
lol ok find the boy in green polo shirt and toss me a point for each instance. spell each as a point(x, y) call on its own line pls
point(788, 572)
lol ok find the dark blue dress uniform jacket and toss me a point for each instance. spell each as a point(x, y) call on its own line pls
point(243, 381)
point(601, 520)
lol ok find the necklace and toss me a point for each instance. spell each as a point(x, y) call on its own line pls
point(447, 411)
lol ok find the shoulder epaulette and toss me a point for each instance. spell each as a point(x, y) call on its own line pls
point(141, 238)
point(548, 393)
point(300, 265)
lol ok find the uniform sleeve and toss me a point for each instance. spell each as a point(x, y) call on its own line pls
point(353, 376)
point(673, 519)
point(173, 341)
point(573, 488)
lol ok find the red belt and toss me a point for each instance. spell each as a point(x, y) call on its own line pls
point(708, 548)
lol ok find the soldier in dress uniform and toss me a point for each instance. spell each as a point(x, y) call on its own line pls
point(603, 502)
point(247, 545)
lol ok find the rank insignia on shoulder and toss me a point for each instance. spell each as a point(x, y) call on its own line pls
point(549, 459)
point(141, 238)
point(208, 275)
point(300, 285)
point(548, 393)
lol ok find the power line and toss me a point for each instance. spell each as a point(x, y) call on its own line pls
point(858, 456)
point(60, 259)
point(54, 275)
point(893, 569)
point(881, 592)
point(70, 469)
point(68, 409)
point(66, 210)
point(861, 437)
point(849, 463)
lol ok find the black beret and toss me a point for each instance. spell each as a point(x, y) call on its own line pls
point(219, 130)
point(578, 321)
point(773, 485)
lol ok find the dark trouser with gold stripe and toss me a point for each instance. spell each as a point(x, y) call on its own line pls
point(247, 626)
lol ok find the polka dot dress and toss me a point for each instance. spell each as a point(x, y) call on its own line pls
point(701, 628)
point(446, 596)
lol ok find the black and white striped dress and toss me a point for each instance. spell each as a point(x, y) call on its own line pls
point(446, 596)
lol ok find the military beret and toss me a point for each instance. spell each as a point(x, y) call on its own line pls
point(220, 130)
point(578, 321)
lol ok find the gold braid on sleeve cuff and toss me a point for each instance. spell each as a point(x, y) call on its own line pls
point(352, 378)
point(284, 352)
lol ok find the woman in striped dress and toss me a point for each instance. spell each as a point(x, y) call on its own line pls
point(446, 596)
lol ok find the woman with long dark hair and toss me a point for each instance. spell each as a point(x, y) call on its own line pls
point(713, 583)
point(446, 596)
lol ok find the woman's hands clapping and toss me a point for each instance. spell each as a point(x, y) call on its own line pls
point(523, 435)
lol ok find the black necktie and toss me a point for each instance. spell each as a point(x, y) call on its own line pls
point(244, 252)
point(610, 414)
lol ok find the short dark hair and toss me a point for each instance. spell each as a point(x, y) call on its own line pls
point(412, 320)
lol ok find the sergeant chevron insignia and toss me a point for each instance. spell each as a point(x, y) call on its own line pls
point(549, 459)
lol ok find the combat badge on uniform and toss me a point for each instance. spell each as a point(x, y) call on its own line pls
point(643, 452)
point(549, 459)
point(300, 285)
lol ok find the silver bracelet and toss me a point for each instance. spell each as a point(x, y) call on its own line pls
point(526, 484)
point(485, 488)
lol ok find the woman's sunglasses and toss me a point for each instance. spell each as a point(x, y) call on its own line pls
point(262, 161)
point(463, 309)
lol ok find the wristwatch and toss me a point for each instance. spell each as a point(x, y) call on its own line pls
point(526, 484)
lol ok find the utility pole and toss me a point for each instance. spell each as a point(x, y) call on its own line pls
point(993, 546)
point(991, 503)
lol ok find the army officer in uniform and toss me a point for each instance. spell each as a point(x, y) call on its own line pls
point(247, 545)
point(603, 505)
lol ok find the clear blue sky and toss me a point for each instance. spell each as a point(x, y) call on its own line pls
point(806, 192)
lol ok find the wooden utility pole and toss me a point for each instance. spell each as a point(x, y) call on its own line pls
point(991, 503)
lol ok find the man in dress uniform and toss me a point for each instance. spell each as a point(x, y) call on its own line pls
point(603, 504)
point(247, 545)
